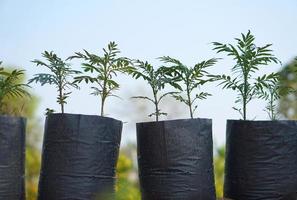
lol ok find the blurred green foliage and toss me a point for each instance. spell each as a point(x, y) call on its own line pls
point(219, 167)
point(26, 107)
point(127, 187)
point(32, 172)
point(287, 104)
point(11, 86)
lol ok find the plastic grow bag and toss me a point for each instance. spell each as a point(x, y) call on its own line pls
point(12, 158)
point(261, 160)
point(79, 157)
point(175, 160)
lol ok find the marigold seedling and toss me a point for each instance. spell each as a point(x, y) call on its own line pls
point(191, 77)
point(249, 58)
point(156, 79)
point(104, 68)
point(59, 76)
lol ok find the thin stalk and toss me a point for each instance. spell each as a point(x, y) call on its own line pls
point(61, 97)
point(156, 105)
point(244, 108)
point(104, 89)
point(102, 106)
point(104, 95)
point(190, 101)
point(245, 91)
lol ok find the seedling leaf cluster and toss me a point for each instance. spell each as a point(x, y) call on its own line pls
point(156, 80)
point(59, 76)
point(191, 77)
point(248, 59)
point(104, 68)
point(100, 71)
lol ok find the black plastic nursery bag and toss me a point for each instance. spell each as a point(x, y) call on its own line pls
point(12, 158)
point(261, 160)
point(79, 157)
point(175, 160)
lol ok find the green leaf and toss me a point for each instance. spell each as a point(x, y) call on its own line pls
point(248, 58)
point(192, 78)
point(144, 97)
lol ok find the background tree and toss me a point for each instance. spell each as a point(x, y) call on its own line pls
point(127, 187)
point(60, 73)
point(156, 80)
point(27, 107)
point(191, 77)
point(219, 169)
point(105, 69)
point(287, 104)
point(249, 58)
point(11, 87)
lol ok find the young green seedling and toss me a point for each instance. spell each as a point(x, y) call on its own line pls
point(104, 68)
point(10, 86)
point(191, 77)
point(60, 73)
point(248, 58)
point(156, 80)
point(271, 90)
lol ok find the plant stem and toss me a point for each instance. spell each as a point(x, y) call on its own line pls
point(61, 98)
point(104, 89)
point(245, 93)
point(244, 108)
point(156, 105)
point(103, 98)
point(102, 106)
point(190, 102)
point(62, 108)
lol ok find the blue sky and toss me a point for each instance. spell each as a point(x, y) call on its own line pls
point(144, 29)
